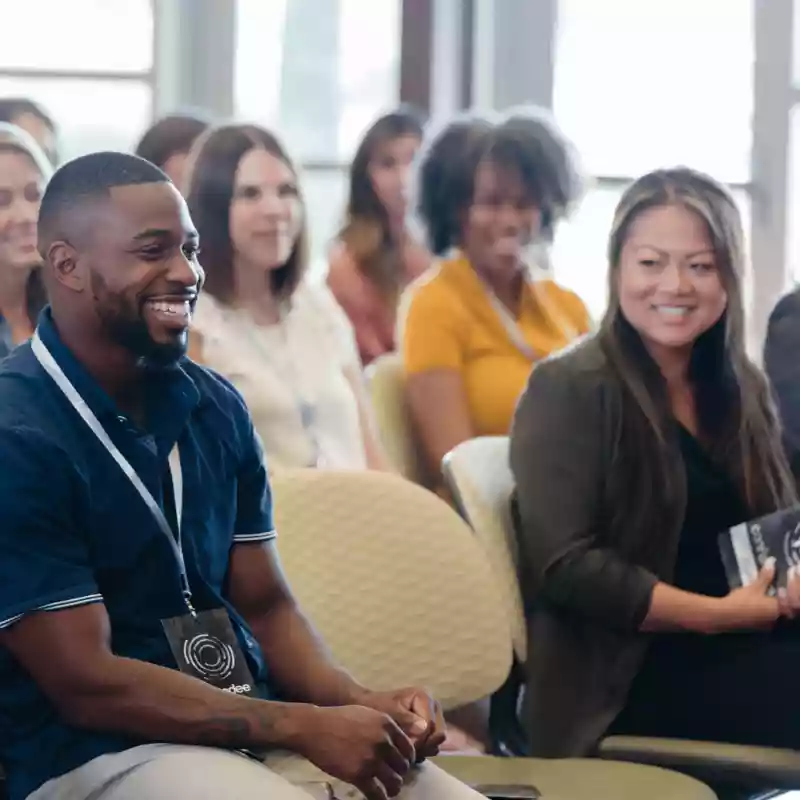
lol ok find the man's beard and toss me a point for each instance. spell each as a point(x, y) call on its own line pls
point(132, 334)
point(124, 325)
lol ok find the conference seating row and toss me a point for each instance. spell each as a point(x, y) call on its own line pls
point(402, 591)
point(478, 477)
point(408, 591)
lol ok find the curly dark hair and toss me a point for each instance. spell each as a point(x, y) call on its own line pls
point(524, 140)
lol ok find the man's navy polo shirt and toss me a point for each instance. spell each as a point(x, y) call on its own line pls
point(73, 529)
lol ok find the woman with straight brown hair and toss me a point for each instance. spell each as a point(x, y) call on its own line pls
point(631, 453)
point(24, 172)
point(280, 339)
point(376, 256)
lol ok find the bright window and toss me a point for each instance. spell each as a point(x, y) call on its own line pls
point(90, 67)
point(642, 85)
point(91, 114)
point(325, 193)
point(318, 73)
point(77, 35)
point(793, 206)
point(657, 83)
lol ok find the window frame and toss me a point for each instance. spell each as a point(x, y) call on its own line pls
point(528, 31)
point(147, 76)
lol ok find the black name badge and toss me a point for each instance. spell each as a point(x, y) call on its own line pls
point(205, 647)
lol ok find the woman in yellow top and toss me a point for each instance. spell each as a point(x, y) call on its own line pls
point(490, 195)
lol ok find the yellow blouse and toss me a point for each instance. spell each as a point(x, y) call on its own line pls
point(448, 321)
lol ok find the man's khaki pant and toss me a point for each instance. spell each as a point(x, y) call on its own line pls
point(184, 772)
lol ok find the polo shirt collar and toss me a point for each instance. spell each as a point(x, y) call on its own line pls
point(171, 395)
point(462, 273)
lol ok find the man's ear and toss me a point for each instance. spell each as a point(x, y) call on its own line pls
point(63, 258)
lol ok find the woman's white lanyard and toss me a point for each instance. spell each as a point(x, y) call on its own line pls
point(511, 325)
point(513, 328)
point(52, 368)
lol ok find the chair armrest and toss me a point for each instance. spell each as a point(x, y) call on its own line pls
point(319, 790)
point(511, 792)
point(711, 762)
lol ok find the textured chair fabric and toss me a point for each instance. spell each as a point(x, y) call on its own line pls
point(402, 592)
point(387, 390)
point(379, 563)
point(480, 480)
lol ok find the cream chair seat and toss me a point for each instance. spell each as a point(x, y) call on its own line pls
point(386, 380)
point(480, 480)
point(402, 593)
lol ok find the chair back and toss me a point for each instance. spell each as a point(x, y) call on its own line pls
point(395, 427)
point(479, 478)
point(395, 582)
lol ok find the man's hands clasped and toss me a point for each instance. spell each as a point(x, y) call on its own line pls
point(375, 744)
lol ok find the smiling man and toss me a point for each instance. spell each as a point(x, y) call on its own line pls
point(145, 626)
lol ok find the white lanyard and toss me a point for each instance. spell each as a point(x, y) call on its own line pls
point(512, 327)
point(51, 367)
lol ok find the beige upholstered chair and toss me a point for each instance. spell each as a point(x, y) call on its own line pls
point(479, 478)
point(387, 391)
point(403, 594)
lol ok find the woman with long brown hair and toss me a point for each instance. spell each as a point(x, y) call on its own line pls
point(24, 172)
point(631, 453)
point(281, 339)
point(376, 256)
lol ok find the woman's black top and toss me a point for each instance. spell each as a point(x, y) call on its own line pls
point(713, 504)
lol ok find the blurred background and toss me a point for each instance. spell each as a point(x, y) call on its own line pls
point(710, 83)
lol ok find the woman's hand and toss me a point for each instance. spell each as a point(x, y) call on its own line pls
point(789, 596)
point(751, 608)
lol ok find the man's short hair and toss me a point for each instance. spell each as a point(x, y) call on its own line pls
point(12, 108)
point(88, 178)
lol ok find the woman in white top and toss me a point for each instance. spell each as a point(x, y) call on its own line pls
point(281, 340)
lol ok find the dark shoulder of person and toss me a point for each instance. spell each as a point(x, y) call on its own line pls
point(784, 318)
point(36, 437)
point(220, 398)
point(22, 399)
point(787, 306)
point(570, 384)
point(582, 362)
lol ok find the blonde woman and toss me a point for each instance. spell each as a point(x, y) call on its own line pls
point(24, 172)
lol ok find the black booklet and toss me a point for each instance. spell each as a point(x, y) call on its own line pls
point(747, 546)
